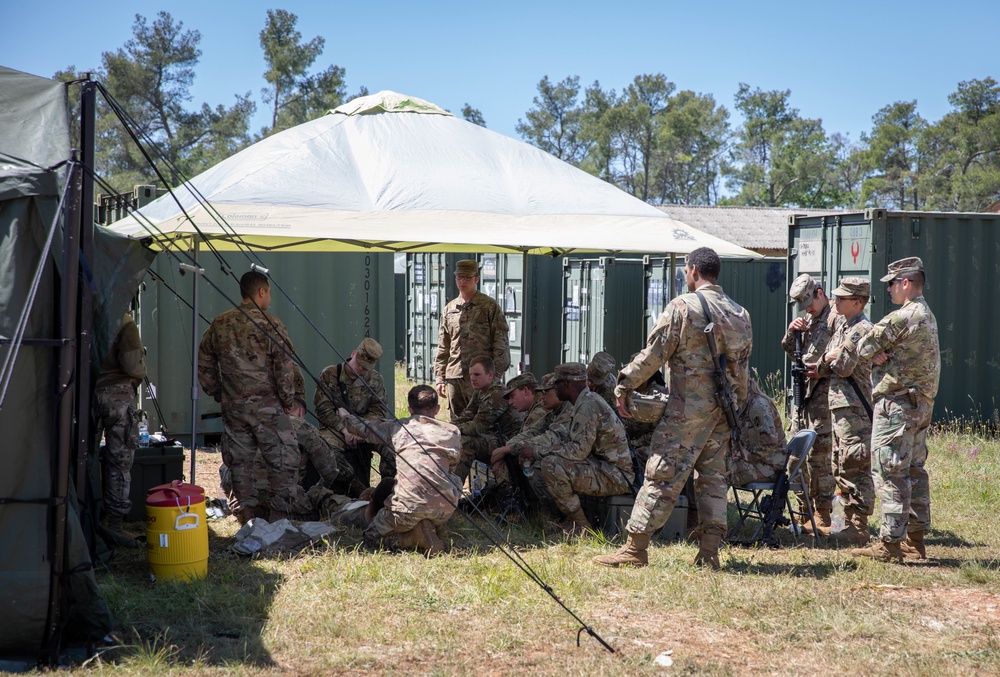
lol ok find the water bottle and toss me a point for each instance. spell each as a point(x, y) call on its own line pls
point(527, 468)
point(143, 431)
point(837, 520)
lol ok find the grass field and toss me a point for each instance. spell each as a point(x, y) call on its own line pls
point(338, 609)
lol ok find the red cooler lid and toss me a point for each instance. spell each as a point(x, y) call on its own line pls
point(167, 495)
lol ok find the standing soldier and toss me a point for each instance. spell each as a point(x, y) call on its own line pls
point(817, 329)
point(695, 431)
point(357, 387)
point(115, 390)
point(472, 324)
point(904, 350)
point(850, 410)
point(245, 362)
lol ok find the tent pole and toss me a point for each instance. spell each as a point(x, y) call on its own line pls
point(525, 306)
point(197, 272)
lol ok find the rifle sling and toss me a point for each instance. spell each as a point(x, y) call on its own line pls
point(864, 400)
point(710, 335)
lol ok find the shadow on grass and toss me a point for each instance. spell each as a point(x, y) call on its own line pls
point(216, 621)
point(949, 539)
point(815, 570)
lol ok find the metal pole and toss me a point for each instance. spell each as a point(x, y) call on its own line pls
point(525, 334)
point(197, 272)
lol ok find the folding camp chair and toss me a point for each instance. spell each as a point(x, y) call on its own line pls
point(768, 500)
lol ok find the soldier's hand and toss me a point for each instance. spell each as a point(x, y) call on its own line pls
point(350, 439)
point(880, 358)
point(498, 455)
point(622, 402)
point(799, 324)
point(296, 410)
point(342, 413)
point(812, 371)
point(442, 390)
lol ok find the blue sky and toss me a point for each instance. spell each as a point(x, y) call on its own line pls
point(842, 61)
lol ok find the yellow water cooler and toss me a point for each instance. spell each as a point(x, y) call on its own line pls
point(176, 532)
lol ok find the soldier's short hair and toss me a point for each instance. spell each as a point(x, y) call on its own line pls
point(486, 361)
point(251, 282)
point(918, 278)
point(706, 262)
point(422, 399)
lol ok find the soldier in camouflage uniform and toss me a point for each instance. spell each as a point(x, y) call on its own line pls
point(817, 329)
point(471, 324)
point(906, 355)
point(426, 489)
point(600, 377)
point(245, 363)
point(523, 394)
point(359, 388)
point(488, 420)
point(592, 459)
point(693, 433)
point(761, 452)
point(851, 412)
point(115, 391)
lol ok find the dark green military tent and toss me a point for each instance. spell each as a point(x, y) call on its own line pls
point(63, 288)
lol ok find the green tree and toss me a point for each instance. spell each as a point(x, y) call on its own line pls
point(634, 124)
point(473, 115)
point(964, 148)
point(693, 140)
point(554, 124)
point(595, 134)
point(893, 158)
point(150, 76)
point(293, 95)
point(781, 159)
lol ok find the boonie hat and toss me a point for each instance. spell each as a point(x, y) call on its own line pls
point(368, 352)
point(525, 380)
point(912, 264)
point(852, 286)
point(802, 291)
point(570, 371)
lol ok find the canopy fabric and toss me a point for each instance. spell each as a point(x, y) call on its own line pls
point(394, 173)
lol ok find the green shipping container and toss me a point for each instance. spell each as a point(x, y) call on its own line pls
point(346, 296)
point(864, 243)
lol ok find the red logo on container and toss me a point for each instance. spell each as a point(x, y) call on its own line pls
point(855, 250)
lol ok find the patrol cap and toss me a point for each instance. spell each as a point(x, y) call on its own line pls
point(912, 264)
point(525, 380)
point(601, 365)
point(802, 291)
point(570, 371)
point(368, 352)
point(548, 383)
point(467, 267)
point(853, 286)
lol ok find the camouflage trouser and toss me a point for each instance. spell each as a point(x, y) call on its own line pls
point(565, 480)
point(475, 448)
point(389, 522)
point(678, 447)
point(852, 459)
point(459, 395)
point(270, 430)
point(818, 468)
point(899, 451)
point(356, 462)
point(121, 433)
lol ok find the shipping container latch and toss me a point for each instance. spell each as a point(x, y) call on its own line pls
point(915, 228)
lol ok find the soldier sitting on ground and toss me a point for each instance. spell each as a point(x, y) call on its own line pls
point(488, 420)
point(426, 489)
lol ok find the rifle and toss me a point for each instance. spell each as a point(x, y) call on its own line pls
point(798, 378)
point(723, 391)
point(773, 507)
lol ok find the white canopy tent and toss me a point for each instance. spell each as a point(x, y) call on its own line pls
point(393, 173)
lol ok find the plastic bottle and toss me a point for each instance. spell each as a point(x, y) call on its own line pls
point(837, 522)
point(527, 468)
point(143, 431)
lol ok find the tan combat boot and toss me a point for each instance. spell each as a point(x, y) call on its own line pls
point(913, 547)
point(881, 551)
point(632, 554)
point(576, 524)
point(856, 530)
point(708, 552)
point(421, 537)
point(823, 518)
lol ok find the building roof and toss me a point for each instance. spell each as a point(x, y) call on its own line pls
point(751, 227)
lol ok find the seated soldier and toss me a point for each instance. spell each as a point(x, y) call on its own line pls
point(522, 393)
point(488, 420)
point(426, 490)
point(357, 387)
point(761, 452)
point(641, 434)
point(592, 460)
point(601, 377)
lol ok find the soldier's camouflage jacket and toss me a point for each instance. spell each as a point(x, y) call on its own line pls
point(467, 330)
point(488, 413)
point(125, 363)
point(847, 365)
point(365, 396)
point(815, 340)
point(594, 429)
point(550, 429)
